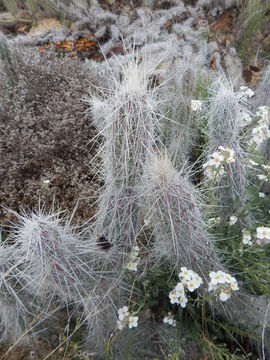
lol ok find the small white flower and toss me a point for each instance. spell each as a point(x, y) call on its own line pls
point(211, 221)
point(253, 163)
point(228, 278)
point(185, 273)
point(261, 194)
point(262, 111)
point(246, 119)
point(146, 222)
point(262, 177)
point(221, 275)
point(234, 286)
point(259, 134)
point(211, 287)
point(221, 171)
point(183, 301)
point(173, 298)
point(179, 290)
point(169, 319)
point(196, 105)
point(230, 160)
point(246, 238)
point(46, 182)
point(215, 277)
point(246, 92)
point(122, 313)
point(133, 321)
point(263, 233)
point(223, 296)
point(132, 266)
point(191, 285)
point(233, 220)
point(266, 167)
point(198, 281)
point(120, 325)
point(216, 160)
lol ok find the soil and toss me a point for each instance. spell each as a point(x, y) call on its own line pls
point(46, 135)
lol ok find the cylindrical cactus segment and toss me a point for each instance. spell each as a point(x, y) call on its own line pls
point(11, 6)
point(224, 114)
point(117, 217)
point(13, 308)
point(50, 6)
point(180, 232)
point(127, 123)
point(33, 6)
point(49, 262)
point(180, 126)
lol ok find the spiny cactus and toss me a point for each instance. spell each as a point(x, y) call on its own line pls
point(180, 127)
point(14, 307)
point(48, 262)
point(126, 118)
point(100, 313)
point(127, 123)
point(175, 210)
point(224, 115)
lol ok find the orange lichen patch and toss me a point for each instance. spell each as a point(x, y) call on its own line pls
point(84, 45)
point(75, 47)
point(45, 48)
point(64, 45)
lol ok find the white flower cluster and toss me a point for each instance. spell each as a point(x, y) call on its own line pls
point(134, 259)
point(190, 281)
point(245, 119)
point(263, 113)
point(169, 319)
point(222, 284)
point(214, 168)
point(196, 105)
point(245, 92)
point(126, 319)
point(261, 132)
point(246, 240)
point(263, 235)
